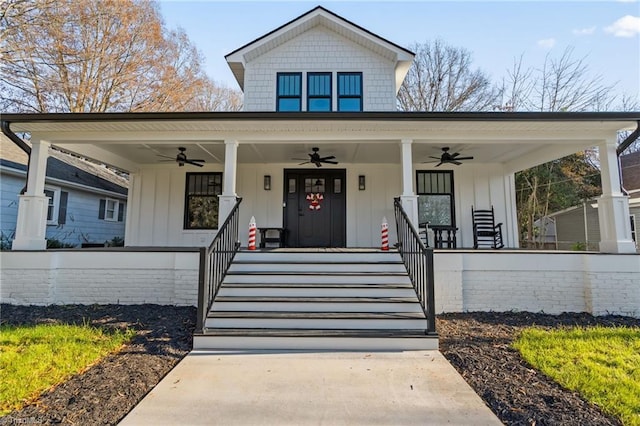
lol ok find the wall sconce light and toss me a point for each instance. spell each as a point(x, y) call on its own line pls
point(361, 183)
point(267, 182)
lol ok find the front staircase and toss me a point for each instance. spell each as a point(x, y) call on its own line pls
point(316, 300)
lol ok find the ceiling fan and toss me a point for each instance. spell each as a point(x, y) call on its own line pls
point(182, 159)
point(448, 158)
point(315, 158)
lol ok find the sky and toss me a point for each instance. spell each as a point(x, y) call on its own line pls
point(605, 33)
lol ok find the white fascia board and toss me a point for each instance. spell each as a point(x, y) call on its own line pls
point(60, 182)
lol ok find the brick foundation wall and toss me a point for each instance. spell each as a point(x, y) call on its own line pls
point(73, 277)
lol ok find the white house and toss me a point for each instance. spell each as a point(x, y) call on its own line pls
point(321, 87)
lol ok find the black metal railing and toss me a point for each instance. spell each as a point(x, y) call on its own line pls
point(418, 260)
point(214, 263)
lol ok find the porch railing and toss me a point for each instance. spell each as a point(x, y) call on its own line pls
point(214, 263)
point(419, 263)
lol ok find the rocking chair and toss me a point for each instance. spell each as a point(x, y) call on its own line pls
point(485, 231)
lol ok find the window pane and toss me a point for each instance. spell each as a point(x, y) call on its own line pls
point(292, 185)
point(337, 186)
point(289, 85)
point(289, 104)
point(349, 84)
point(319, 85)
point(202, 212)
point(349, 104)
point(435, 209)
point(320, 104)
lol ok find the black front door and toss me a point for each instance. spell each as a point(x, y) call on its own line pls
point(315, 208)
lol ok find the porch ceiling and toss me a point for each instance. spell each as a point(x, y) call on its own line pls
point(515, 140)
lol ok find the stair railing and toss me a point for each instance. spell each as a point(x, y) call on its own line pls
point(214, 263)
point(418, 260)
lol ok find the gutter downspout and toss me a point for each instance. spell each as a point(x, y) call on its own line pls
point(621, 148)
point(22, 144)
point(629, 140)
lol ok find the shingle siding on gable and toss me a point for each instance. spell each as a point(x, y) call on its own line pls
point(318, 50)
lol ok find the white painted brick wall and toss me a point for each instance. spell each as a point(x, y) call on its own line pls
point(72, 277)
point(538, 282)
point(320, 50)
point(465, 280)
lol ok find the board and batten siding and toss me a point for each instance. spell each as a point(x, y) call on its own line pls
point(81, 221)
point(157, 197)
point(320, 50)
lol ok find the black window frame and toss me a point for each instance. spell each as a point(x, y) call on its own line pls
point(214, 196)
point(296, 96)
point(451, 193)
point(328, 96)
point(341, 96)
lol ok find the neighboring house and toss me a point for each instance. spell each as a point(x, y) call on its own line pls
point(86, 202)
point(321, 91)
point(578, 227)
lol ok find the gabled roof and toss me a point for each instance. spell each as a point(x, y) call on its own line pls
point(320, 16)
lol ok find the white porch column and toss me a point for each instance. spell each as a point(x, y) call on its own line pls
point(228, 197)
point(408, 198)
point(613, 206)
point(31, 225)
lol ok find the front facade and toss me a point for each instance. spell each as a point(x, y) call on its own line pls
point(318, 155)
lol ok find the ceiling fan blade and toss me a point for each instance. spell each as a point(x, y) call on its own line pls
point(199, 161)
point(306, 162)
point(439, 164)
point(192, 162)
point(318, 164)
point(457, 163)
point(464, 158)
point(329, 161)
point(331, 157)
point(166, 156)
point(435, 158)
point(454, 155)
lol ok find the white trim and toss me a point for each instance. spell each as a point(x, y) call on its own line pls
point(115, 210)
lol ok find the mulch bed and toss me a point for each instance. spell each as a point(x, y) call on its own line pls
point(476, 344)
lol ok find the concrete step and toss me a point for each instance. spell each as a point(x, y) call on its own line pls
point(317, 320)
point(316, 304)
point(310, 343)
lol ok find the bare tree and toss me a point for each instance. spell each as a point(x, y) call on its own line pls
point(561, 84)
point(442, 79)
point(217, 97)
point(96, 56)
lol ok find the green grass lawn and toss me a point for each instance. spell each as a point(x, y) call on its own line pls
point(602, 364)
point(35, 358)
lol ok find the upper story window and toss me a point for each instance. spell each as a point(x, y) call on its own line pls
point(319, 91)
point(201, 203)
point(349, 91)
point(289, 91)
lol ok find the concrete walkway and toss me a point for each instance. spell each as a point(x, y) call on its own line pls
point(330, 388)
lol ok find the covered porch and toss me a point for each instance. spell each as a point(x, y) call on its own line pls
point(380, 155)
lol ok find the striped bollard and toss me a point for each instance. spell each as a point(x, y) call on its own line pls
point(385, 234)
point(252, 233)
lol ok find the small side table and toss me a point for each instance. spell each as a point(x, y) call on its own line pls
point(264, 238)
point(444, 236)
